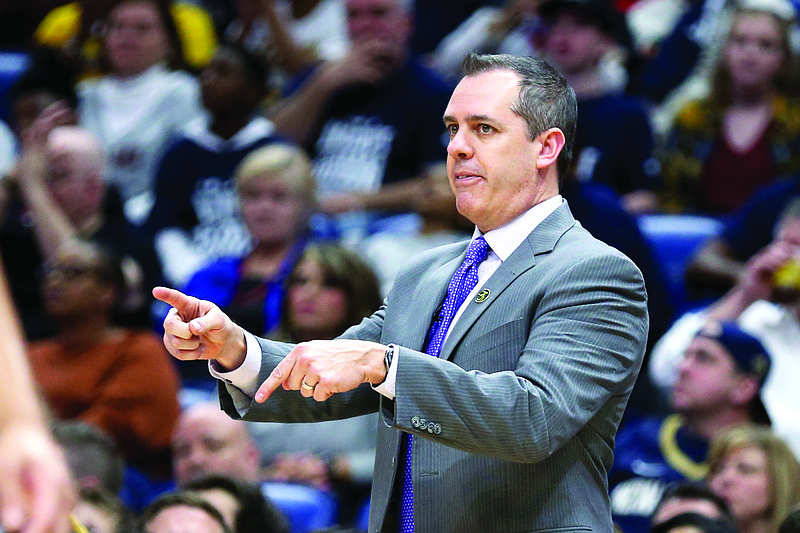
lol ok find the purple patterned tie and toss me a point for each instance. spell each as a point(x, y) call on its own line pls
point(461, 284)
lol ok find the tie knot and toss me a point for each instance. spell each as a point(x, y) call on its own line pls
point(477, 251)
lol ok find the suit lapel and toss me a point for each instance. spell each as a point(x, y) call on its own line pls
point(430, 293)
point(541, 240)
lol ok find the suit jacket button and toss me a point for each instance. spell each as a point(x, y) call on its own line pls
point(430, 427)
point(415, 422)
point(437, 428)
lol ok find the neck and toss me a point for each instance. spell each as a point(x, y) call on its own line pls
point(759, 524)
point(751, 97)
point(266, 259)
point(83, 332)
point(708, 424)
point(229, 125)
point(587, 84)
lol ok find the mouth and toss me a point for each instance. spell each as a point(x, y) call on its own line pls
point(465, 176)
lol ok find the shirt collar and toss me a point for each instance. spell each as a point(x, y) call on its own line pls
point(505, 239)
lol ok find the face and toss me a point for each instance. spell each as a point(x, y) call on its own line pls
point(95, 519)
point(207, 441)
point(316, 307)
point(71, 286)
point(136, 37)
point(491, 163)
point(273, 209)
point(225, 504)
point(743, 482)
point(224, 83)
point(77, 193)
point(183, 519)
point(707, 377)
point(573, 44)
point(378, 20)
point(753, 52)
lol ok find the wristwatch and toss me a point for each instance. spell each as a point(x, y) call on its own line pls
point(387, 357)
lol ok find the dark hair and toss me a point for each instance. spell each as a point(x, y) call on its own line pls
point(704, 523)
point(343, 269)
point(256, 512)
point(175, 499)
point(109, 503)
point(90, 453)
point(47, 73)
point(175, 60)
point(791, 524)
point(695, 490)
point(545, 99)
point(254, 65)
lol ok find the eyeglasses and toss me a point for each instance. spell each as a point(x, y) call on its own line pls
point(68, 272)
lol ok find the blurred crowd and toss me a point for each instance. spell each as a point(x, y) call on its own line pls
point(284, 158)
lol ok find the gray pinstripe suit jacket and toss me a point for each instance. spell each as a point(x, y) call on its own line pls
point(517, 417)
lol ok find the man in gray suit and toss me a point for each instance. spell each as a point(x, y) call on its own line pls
point(513, 423)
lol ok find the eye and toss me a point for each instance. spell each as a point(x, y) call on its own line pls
point(452, 129)
point(485, 129)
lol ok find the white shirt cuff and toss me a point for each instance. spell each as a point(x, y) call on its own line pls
point(242, 382)
point(387, 387)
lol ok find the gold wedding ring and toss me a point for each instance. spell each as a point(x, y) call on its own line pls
point(306, 386)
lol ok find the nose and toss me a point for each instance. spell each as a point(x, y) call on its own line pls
point(459, 146)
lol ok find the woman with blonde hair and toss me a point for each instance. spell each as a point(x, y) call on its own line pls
point(757, 475)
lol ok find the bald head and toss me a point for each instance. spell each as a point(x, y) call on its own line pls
point(208, 441)
point(83, 149)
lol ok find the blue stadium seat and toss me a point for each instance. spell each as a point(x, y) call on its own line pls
point(13, 64)
point(674, 239)
point(306, 508)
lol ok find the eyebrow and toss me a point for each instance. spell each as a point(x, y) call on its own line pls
point(471, 118)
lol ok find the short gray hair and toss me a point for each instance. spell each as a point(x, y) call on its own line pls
point(545, 99)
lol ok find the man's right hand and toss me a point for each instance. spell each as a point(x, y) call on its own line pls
point(198, 329)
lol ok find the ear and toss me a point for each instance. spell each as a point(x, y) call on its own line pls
point(745, 390)
point(552, 141)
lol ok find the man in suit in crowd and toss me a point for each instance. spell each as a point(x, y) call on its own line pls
point(512, 422)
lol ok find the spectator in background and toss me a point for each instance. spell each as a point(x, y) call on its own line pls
point(102, 512)
point(196, 217)
point(77, 29)
point(720, 379)
point(120, 380)
point(614, 140)
point(717, 266)
point(765, 309)
point(93, 456)
point(511, 28)
point(329, 290)
point(182, 511)
point(693, 523)
point(62, 196)
point(206, 441)
point(47, 80)
point(372, 121)
point(243, 504)
point(724, 147)
point(140, 103)
point(690, 497)
point(757, 475)
point(292, 34)
point(275, 191)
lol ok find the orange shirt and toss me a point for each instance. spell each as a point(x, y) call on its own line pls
point(126, 385)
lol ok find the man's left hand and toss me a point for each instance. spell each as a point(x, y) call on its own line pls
point(320, 369)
